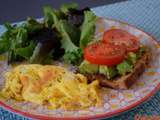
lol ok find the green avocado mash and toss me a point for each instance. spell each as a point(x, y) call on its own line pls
point(109, 72)
point(124, 67)
point(86, 67)
point(132, 57)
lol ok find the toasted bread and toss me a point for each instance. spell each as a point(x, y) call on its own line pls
point(126, 81)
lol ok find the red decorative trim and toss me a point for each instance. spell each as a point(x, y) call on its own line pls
point(105, 115)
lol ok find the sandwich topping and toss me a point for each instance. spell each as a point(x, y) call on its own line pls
point(115, 55)
point(104, 54)
point(122, 37)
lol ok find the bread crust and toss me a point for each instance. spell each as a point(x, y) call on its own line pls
point(126, 81)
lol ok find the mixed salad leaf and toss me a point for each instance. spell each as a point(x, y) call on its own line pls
point(88, 28)
point(73, 57)
point(27, 51)
point(62, 33)
point(66, 7)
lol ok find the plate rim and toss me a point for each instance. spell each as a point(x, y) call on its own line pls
point(104, 115)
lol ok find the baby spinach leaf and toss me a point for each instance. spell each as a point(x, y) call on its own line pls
point(26, 52)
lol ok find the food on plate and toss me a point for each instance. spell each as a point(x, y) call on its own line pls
point(116, 61)
point(67, 36)
point(50, 85)
point(104, 54)
point(121, 37)
point(62, 34)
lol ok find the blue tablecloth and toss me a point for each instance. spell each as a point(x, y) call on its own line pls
point(144, 14)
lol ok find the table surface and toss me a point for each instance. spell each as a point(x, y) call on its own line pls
point(18, 10)
point(144, 14)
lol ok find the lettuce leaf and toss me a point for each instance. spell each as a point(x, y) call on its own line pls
point(51, 16)
point(88, 28)
point(70, 36)
point(21, 37)
point(41, 54)
point(18, 42)
point(69, 41)
point(13, 38)
point(4, 45)
point(65, 7)
point(74, 38)
point(26, 52)
point(36, 56)
point(32, 25)
point(73, 57)
point(5, 39)
point(41, 51)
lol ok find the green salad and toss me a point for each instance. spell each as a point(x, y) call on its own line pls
point(62, 34)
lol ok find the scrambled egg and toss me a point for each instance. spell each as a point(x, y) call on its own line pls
point(51, 85)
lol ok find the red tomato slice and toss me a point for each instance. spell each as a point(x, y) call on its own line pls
point(122, 37)
point(104, 54)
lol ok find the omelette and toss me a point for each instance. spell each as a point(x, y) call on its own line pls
point(51, 85)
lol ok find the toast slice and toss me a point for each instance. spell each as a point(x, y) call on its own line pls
point(124, 82)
